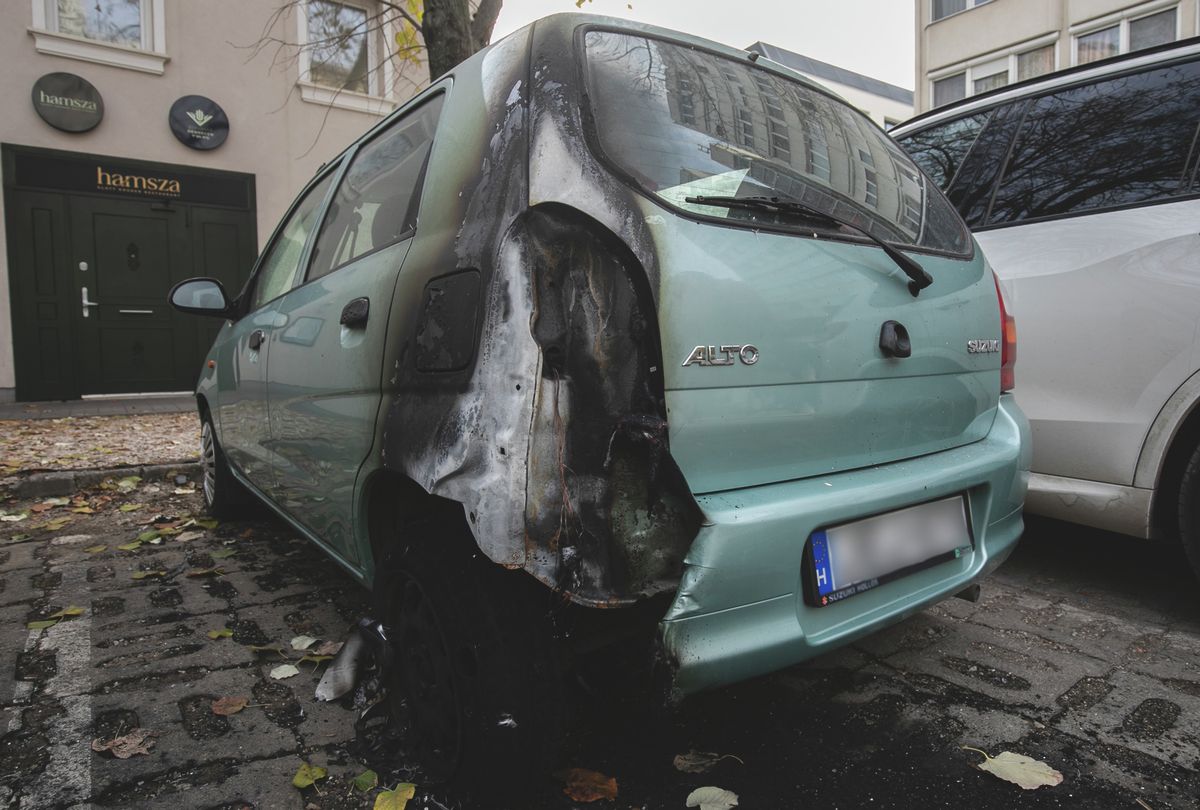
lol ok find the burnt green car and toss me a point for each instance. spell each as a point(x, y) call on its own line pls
point(609, 330)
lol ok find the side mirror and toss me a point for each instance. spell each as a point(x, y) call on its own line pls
point(201, 296)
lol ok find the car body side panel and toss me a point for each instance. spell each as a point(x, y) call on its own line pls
point(241, 403)
point(324, 393)
point(1106, 315)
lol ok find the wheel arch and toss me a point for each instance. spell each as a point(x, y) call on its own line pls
point(1173, 436)
point(391, 501)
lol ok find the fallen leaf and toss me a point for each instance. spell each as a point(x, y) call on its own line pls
point(1019, 769)
point(224, 632)
point(66, 613)
point(307, 774)
point(14, 518)
point(131, 546)
point(284, 671)
point(588, 786)
point(303, 642)
point(84, 510)
point(700, 761)
point(57, 524)
point(144, 574)
point(207, 523)
point(206, 572)
point(184, 491)
point(316, 659)
point(38, 508)
point(128, 484)
point(95, 549)
point(41, 624)
point(131, 507)
point(222, 554)
point(712, 798)
point(226, 706)
point(396, 798)
point(327, 648)
point(147, 536)
point(367, 780)
point(261, 648)
point(187, 537)
point(137, 741)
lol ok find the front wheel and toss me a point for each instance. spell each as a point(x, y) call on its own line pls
point(476, 682)
point(1189, 510)
point(224, 495)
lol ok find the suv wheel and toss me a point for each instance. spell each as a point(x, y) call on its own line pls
point(476, 682)
point(224, 496)
point(1189, 510)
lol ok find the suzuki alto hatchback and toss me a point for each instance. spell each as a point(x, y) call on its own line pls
point(610, 322)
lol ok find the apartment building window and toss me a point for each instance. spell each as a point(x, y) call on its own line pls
point(115, 21)
point(994, 71)
point(1129, 31)
point(950, 88)
point(944, 8)
point(338, 53)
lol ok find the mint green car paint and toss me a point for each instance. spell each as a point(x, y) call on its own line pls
point(738, 612)
point(700, 481)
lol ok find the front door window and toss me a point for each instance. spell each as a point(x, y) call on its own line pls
point(277, 273)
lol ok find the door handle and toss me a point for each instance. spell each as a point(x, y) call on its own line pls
point(84, 302)
point(256, 338)
point(354, 314)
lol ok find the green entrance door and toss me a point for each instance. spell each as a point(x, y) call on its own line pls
point(95, 245)
point(126, 255)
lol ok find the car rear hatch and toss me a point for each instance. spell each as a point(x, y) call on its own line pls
point(814, 393)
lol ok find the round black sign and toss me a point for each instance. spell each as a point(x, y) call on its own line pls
point(68, 102)
point(198, 122)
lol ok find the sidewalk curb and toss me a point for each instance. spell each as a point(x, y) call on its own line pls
point(65, 482)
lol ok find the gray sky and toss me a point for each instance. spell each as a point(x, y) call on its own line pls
point(873, 37)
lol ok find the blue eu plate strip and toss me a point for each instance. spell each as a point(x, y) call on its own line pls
point(822, 563)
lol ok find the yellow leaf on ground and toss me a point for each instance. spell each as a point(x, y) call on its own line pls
point(307, 774)
point(224, 632)
point(65, 612)
point(1019, 769)
point(226, 706)
point(396, 798)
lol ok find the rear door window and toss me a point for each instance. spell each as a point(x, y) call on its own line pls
point(940, 150)
point(1117, 142)
point(375, 204)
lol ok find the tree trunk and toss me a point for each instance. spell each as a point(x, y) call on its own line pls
point(446, 27)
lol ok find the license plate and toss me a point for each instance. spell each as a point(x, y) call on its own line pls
point(854, 557)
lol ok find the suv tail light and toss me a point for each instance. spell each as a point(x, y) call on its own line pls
point(1008, 341)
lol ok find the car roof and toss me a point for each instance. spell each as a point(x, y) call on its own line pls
point(1080, 74)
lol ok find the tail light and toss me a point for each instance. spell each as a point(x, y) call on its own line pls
point(1008, 342)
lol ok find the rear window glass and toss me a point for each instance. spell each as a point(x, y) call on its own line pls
point(683, 122)
point(1117, 142)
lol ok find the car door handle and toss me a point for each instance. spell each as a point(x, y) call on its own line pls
point(256, 338)
point(354, 314)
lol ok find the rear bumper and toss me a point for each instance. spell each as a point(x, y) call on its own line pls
point(740, 611)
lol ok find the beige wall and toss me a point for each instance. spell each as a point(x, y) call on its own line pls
point(274, 135)
point(1001, 24)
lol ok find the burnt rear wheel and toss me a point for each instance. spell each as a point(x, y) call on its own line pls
point(476, 680)
point(1189, 510)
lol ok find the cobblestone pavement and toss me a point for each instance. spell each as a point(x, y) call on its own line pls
point(1084, 652)
point(87, 442)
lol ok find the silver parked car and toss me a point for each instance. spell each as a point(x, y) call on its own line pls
point(1081, 187)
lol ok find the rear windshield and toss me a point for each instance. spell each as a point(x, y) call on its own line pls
point(683, 122)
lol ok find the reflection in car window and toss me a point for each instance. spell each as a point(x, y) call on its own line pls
point(1121, 141)
point(682, 122)
point(375, 204)
point(939, 150)
point(277, 271)
point(971, 189)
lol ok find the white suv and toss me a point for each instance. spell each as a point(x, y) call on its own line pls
point(1081, 187)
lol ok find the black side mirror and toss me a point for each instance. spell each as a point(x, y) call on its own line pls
point(201, 296)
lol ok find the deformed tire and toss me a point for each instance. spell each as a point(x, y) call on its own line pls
point(1189, 510)
point(476, 680)
point(224, 495)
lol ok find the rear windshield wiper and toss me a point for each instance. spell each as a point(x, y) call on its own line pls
point(919, 279)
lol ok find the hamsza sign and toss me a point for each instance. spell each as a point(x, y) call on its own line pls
point(137, 183)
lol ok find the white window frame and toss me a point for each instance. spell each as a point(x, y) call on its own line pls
point(970, 5)
point(1122, 19)
point(150, 58)
point(378, 100)
point(987, 64)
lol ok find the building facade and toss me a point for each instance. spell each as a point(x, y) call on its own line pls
point(886, 104)
point(147, 141)
point(966, 47)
